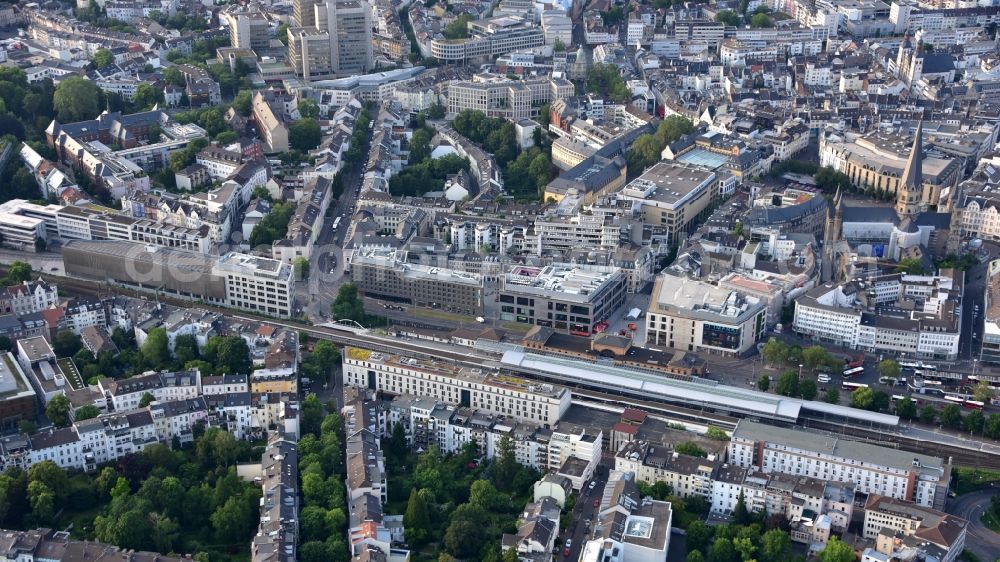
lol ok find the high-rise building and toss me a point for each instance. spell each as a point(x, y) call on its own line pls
point(334, 38)
point(350, 27)
point(309, 53)
point(304, 13)
point(248, 28)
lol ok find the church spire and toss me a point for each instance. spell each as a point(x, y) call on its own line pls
point(911, 183)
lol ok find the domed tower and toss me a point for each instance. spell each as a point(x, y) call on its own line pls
point(911, 185)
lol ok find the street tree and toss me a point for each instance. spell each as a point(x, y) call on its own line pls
point(928, 414)
point(983, 392)
point(974, 422)
point(889, 368)
point(906, 408)
point(763, 383)
point(788, 384)
point(951, 416)
point(17, 272)
point(832, 396)
point(814, 356)
point(807, 389)
point(775, 351)
point(862, 398)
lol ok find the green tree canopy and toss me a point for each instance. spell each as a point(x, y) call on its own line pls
point(58, 410)
point(87, 412)
point(102, 58)
point(951, 417)
point(836, 551)
point(690, 448)
point(348, 304)
point(889, 368)
point(906, 408)
point(17, 272)
point(156, 350)
point(788, 384)
point(77, 99)
point(728, 17)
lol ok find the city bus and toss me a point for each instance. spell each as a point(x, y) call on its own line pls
point(974, 405)
point(852, 386)
point(336, 224)
point(848, 373)
point(954, 399)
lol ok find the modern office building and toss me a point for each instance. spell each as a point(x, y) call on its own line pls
point(495, 393)
point(334, 38)
point(257, 284)
point(902, 475)
point(18, 400)
point(384, 273)
point(248, 28)
point(569, 298)
point(692, 315)
point(510, 99)
point(489, 38)
point(915, 315)
point(671, 196)
point(350, 30)
point(309, 53)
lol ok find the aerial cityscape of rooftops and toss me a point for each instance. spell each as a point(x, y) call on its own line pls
point(500, 280)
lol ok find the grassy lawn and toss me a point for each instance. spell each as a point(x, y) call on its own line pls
point(968, 479)
point(990, 520)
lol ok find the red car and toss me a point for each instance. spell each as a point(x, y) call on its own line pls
point(566, 551)
point(597, 503)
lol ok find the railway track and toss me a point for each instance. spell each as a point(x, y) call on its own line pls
point(960, 454)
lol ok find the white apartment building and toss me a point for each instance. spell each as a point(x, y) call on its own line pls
point(125, 394)
point(686, 475)
point(873, 469)
point(494, 393)
point(28, 297)
point(177, 418)
point(899, 526)
point(224, 384)
point(254, 283)
point(219, 162)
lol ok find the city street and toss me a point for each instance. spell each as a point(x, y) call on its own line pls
point(584, 510)
point(983, 542)
point(326, 271)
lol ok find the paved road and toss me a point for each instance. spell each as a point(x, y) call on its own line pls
point(578, 531)
point(327, 261)
point(983, 542)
